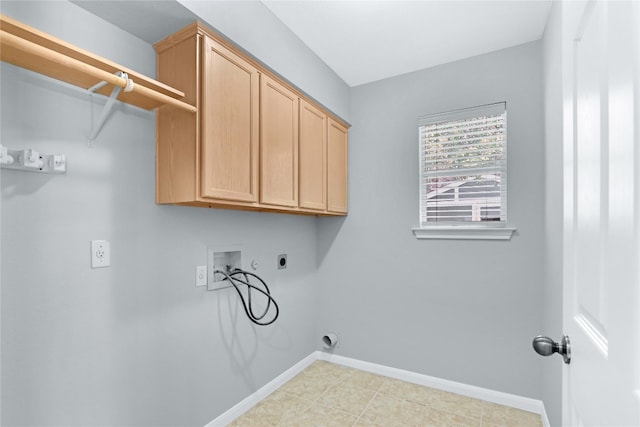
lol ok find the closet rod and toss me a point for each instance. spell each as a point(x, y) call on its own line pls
point(74, 64)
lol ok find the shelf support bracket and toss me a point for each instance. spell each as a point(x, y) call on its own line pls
point(110, 102)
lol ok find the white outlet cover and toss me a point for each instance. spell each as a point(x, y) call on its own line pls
point(201, 275)
point(100, 253)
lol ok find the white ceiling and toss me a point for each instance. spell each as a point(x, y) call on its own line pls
point(366, 40)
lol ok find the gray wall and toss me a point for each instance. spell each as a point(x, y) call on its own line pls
point(461, 310)
point(251, 25)
point(552, 298)
point(136, 343)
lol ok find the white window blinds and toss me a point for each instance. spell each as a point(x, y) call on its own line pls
point(463, 166)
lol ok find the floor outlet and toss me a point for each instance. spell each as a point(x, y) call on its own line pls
point(100, 253)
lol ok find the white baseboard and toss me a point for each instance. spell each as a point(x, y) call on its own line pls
point(263, 392)
point(506, 399)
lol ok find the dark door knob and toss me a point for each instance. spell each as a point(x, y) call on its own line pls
point(545, 346)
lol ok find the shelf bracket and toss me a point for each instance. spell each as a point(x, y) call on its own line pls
point(110, 102)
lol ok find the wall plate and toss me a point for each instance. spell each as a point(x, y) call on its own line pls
point(201, 275)
point(100, 253)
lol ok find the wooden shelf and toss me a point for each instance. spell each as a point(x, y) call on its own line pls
point(34, 50)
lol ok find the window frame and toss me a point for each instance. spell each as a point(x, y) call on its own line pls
point(485, 230)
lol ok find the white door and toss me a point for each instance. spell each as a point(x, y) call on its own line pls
point(602, 213)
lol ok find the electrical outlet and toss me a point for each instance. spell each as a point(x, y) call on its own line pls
point(100, 253)
point(201, 275)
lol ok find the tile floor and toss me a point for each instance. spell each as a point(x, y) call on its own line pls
point(330, 395)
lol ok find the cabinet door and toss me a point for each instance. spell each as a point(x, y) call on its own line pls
point(337, 167)
point(278, 144)
point(230, 121)
point(313, 157)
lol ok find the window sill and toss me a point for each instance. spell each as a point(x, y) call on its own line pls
point(463, 232)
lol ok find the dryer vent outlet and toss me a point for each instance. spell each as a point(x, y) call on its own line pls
point(330, 340)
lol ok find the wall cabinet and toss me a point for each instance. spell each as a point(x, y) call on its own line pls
point(278, 144)
point(256, 143)
point(229, 140)
point(312, 157)
point(337, 168)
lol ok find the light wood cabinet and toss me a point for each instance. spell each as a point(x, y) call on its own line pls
point(337, 168)
point(312, 157)
point(177, 133)
point(230, 121)
point(256, 143)
point(278, 144)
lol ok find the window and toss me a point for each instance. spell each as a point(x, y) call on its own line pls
point(463, 179)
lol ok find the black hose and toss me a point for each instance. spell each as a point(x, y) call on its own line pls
point(230, 276)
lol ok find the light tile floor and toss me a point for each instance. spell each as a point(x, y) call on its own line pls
point(326, 394)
